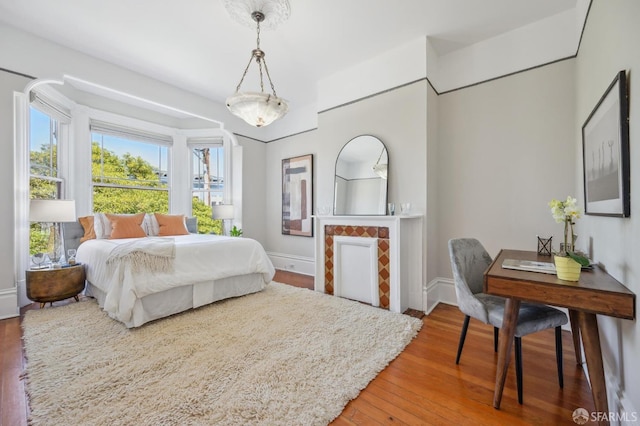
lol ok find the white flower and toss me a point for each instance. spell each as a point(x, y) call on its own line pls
point(567, 210)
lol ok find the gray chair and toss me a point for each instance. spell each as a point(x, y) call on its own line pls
point(469, 261)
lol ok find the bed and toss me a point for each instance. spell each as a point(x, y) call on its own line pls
point(203, 269)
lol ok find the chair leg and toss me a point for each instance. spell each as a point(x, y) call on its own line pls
point(518, 349)
point(559, 355)
point(463, 334)
point(495, 338)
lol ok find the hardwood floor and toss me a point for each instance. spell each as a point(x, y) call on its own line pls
point(422, 386)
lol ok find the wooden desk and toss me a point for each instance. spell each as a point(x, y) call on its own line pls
point(596, 293)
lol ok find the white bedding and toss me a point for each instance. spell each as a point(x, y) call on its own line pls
point(198, 259)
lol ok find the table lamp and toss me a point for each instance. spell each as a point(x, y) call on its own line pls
point(53, 212)
point(223, 212)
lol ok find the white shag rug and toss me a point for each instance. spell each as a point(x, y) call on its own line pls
point(283, 356)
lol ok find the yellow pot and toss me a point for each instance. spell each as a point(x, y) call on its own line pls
point(567, 269)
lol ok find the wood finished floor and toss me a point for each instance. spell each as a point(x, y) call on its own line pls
point(422, 386)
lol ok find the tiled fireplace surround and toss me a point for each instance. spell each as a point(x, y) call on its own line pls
point(379, 232)
point(372, 259)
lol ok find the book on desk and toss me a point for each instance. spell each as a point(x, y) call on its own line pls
point(529, 265)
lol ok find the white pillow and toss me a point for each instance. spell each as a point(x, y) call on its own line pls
point(151, 225)
point(101, 226)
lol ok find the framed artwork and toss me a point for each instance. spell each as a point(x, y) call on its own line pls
point(605, 153)
point(297, 196)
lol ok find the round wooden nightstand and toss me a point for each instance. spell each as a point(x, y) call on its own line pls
point(50, 285)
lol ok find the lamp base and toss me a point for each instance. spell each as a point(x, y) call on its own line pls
point(55, 240)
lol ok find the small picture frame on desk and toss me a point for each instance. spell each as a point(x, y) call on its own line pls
point(544, 246)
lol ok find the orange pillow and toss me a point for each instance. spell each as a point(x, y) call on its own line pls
point(171, 224)
point(87, 225)
point(126, 226)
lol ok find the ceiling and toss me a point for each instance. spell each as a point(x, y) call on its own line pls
point(196, 46)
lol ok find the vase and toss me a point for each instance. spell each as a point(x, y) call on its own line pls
point(567, 269)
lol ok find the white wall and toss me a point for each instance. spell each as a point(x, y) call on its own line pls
point(505, 149)
point(431, 254)
point(538, 43)
point(253, 193)
point(392, 68)
point(397, 117)
point(610, 44)
point(294, 146)
point(9, 83)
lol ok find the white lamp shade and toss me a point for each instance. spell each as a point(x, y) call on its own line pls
point(222, 211)
point(52, 211)
point(257, 109)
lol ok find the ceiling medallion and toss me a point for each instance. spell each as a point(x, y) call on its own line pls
point(275, 12)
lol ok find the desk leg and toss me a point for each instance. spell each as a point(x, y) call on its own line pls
point(593, 354)
point(509, 322)
point(575, 334)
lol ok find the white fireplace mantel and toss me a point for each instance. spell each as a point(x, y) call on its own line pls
point(373, 259)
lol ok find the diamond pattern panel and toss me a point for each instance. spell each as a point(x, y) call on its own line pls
point(328, 263)
point(382, 233)
point(384, 285)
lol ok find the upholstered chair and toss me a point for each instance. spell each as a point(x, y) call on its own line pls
point(469, 261)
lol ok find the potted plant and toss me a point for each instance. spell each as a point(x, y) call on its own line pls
point(235, 231)
point(568, 262)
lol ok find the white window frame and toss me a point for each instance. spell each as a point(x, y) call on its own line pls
point(134, 129)
point(53, 105)
point(133, 138)
point(211, 142)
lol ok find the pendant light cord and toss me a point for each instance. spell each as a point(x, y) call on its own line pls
point(259, 55)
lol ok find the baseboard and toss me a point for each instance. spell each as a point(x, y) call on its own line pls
point(9, 303)
point(289, 262)
point(621, 408)
point(439, 290)
point(629, 414)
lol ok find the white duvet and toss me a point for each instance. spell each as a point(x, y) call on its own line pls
point(198, 258)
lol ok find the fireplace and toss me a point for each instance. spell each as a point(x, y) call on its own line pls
point(361, 258)
point(378, 240)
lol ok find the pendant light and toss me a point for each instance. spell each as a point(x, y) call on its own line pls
point(258, 109)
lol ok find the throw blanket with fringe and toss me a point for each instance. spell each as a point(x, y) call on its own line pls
point(145, 255)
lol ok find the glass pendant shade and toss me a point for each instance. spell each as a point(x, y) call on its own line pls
point(381, 170)
point(257, 108)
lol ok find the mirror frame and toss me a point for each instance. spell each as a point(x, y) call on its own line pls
point(387, 179)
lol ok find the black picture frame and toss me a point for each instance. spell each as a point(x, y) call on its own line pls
point(605, 153)
point(297, 196)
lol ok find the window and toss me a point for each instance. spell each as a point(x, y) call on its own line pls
point(208, 183)
point(129, 170)
point(45, 181)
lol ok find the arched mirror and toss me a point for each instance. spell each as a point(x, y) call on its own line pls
point(361, 177)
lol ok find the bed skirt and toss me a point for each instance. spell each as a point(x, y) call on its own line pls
point(179, 299)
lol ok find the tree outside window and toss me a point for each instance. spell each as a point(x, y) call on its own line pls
point(207, 186)
point(128, 176)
